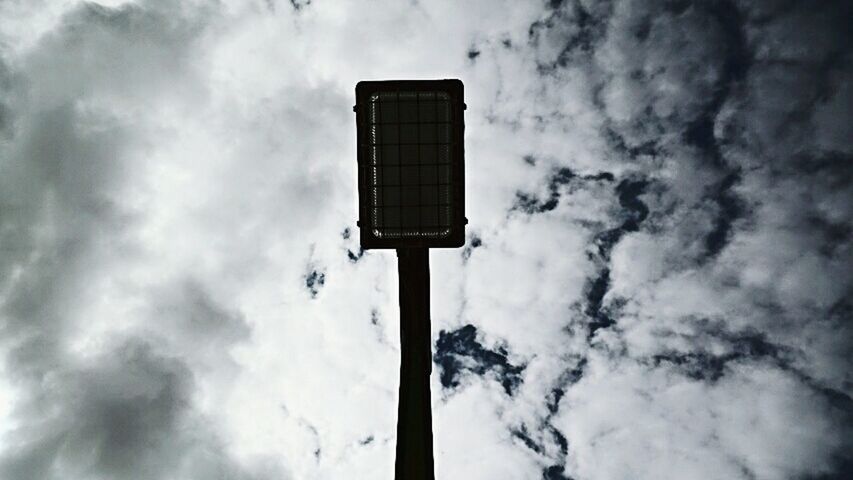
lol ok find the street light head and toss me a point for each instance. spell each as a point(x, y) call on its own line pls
point(411, 184)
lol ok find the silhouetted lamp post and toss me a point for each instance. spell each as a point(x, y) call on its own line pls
point(411, 191)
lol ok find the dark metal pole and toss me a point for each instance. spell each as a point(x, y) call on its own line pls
point(414, 415)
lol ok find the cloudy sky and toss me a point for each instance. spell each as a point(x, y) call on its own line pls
point(660, 198)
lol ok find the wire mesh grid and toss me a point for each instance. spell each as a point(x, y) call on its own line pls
point(409, 164)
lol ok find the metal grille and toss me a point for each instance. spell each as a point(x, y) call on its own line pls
point(409, 164)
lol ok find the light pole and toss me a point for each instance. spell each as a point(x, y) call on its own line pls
point(411, 190)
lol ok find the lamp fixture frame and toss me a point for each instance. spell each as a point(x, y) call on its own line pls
point(371, 236)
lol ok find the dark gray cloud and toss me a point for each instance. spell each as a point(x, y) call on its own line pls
point(119, 403)
point(459, 351)
point(125, 414)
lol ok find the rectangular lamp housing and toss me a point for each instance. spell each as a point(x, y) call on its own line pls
point(411, 157)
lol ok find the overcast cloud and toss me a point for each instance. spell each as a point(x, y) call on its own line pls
point(656, 282)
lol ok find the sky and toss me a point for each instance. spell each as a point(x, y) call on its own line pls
point(653, 284)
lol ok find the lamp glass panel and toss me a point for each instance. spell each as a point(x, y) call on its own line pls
point(408, 165)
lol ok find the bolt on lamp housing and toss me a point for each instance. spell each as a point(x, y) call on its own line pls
point(411, 157)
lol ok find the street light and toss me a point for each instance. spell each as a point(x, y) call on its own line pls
point(411, 192)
